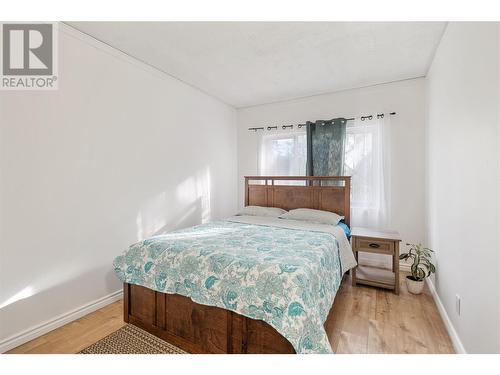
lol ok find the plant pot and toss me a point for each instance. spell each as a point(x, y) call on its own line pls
point(414, 286)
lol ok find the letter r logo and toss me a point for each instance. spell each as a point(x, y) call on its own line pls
point(27, 49)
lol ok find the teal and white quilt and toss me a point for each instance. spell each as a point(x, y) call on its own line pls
point(286, 277)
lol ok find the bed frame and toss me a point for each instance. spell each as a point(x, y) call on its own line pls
point(197, 328)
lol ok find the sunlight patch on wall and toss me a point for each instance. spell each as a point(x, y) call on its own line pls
point(197, 189)
point(188, 204)
point(61, 275)
point(206, 211)
point(152, 218)
point(23, 294)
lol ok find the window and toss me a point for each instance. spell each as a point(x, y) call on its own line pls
point(365, 159)
point(283, 154)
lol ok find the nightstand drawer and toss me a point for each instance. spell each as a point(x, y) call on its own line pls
point(374, 245)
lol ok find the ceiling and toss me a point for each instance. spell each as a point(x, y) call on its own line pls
point(251, 63)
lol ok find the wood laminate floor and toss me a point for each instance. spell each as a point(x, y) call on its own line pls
point(367, 320)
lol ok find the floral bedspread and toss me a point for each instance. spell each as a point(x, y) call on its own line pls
point(285, 277)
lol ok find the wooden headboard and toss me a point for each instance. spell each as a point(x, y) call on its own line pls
point(269, 191)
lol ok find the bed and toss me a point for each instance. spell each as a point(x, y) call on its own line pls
point(247, 284)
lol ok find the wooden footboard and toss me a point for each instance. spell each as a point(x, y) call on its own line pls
point(198, 328)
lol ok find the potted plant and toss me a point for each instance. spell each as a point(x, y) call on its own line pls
point(421, 267)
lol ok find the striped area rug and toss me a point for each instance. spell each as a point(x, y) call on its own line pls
point(131, 340)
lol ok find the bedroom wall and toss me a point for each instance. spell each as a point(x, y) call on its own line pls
point(118, 152)
point(463, 181)
point(407, 142)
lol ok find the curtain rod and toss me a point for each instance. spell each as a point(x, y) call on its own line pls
point(363, 118)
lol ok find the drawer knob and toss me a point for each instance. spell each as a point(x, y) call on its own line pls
point(374, 245)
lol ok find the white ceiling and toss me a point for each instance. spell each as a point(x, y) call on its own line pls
point(251, 63)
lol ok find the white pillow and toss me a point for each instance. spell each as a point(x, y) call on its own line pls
point(262, 211)
point(315, 216)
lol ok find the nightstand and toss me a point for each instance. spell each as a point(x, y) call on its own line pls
point(379, 242)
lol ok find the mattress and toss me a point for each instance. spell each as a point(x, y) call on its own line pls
point(283, 272)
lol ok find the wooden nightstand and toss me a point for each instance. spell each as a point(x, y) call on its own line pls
point(380, 242)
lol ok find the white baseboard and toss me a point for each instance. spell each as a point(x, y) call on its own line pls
point(41, 329)
point(455, 339)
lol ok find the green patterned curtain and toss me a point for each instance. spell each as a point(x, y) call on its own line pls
point(325, 147)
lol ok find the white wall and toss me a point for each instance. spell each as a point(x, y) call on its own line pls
point(498, 150)
point(463, 180)
point(407, 148)
point(117, 152)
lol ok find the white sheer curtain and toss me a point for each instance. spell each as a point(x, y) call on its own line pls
point(283, 154)
point(367, 160)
